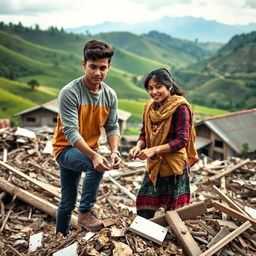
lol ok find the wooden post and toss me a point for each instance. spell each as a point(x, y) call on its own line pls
point(182, 233)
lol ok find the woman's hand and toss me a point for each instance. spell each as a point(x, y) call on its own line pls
point(133, 153)
point(146, 153)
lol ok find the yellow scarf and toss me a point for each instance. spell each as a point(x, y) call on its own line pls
point(157, 126)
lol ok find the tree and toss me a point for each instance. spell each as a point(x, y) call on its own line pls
point(245, 149)
point(33, 83)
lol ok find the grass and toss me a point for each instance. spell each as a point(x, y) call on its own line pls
point(201, 110)
point(12, 104)
point(131, 131)
point(37, 96)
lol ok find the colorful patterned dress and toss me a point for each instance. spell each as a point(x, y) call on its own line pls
point(171, 191)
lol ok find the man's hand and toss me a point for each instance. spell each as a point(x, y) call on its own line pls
point(100, 163)
point(116, 160)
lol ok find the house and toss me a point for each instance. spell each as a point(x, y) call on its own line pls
point(45, 115)
point(227, 135)
point(39, 116)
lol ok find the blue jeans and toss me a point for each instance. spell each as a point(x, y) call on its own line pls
point(72, 163)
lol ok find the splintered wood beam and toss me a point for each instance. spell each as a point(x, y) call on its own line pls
point(186, 212)
point(229, 170)
point(122, 188)
point(182, 233)
point(216, 247)
point(33, 200)
point(233, 213)
point(49, 188)
point(225, 198)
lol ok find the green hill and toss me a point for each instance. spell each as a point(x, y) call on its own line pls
point(239, 41)
point(225, 80)
point(225, 93)
point(157, 50)
point(228, 79)
point(37, 96)
point(12, 104)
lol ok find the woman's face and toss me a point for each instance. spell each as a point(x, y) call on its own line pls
point(158, 92)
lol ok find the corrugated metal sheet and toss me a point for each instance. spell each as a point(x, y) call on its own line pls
point(236, 130)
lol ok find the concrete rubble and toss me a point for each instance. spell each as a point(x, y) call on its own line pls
point(221, 219)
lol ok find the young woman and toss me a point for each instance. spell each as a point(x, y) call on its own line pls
point(167, 143)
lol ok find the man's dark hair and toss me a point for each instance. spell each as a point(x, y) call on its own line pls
point(95, 49)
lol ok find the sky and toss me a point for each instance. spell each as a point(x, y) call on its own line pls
point(75, 13)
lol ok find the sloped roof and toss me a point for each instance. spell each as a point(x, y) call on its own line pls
point(53, 107)
point(50, 105)
point(123, 115)
point(235, 128)
point(201, 142)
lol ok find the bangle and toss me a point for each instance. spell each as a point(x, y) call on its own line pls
point(117, 152)
point(157, 150)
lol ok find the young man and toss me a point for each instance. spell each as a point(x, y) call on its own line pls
point(86, 104)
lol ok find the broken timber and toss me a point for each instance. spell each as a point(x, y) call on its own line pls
point(235, 214)
point(227, 200)
point(49, 188)
point(182, 233)
point(186, 212)
point(216, 247)
point(32, 199)
point(229, 170)
point(123, 189)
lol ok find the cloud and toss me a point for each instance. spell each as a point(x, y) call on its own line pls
point(157, 5)
point(33, 7)
point(73, 13)
point(250, 3)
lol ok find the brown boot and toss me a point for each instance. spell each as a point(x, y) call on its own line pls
point(89, 221)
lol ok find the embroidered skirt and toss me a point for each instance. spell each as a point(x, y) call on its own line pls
point(171, 192)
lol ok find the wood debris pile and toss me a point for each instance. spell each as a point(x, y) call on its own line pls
point(221, 219)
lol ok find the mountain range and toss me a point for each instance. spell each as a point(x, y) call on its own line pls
point(187, 27)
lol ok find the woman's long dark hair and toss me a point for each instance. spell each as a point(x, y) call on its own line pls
point(163, 76)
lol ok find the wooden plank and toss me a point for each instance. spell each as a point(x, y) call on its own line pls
point(32, 199)
point(224, 191)
point(230, 202)
point(235, 214)
point(220, 235)
point(207, 228)
point(144, 228)
point(226, 239)
point(182, 233)
point(229, 170)
point(49, 188)
point(186, 212)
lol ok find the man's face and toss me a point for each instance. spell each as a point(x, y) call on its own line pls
point(95, 71)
